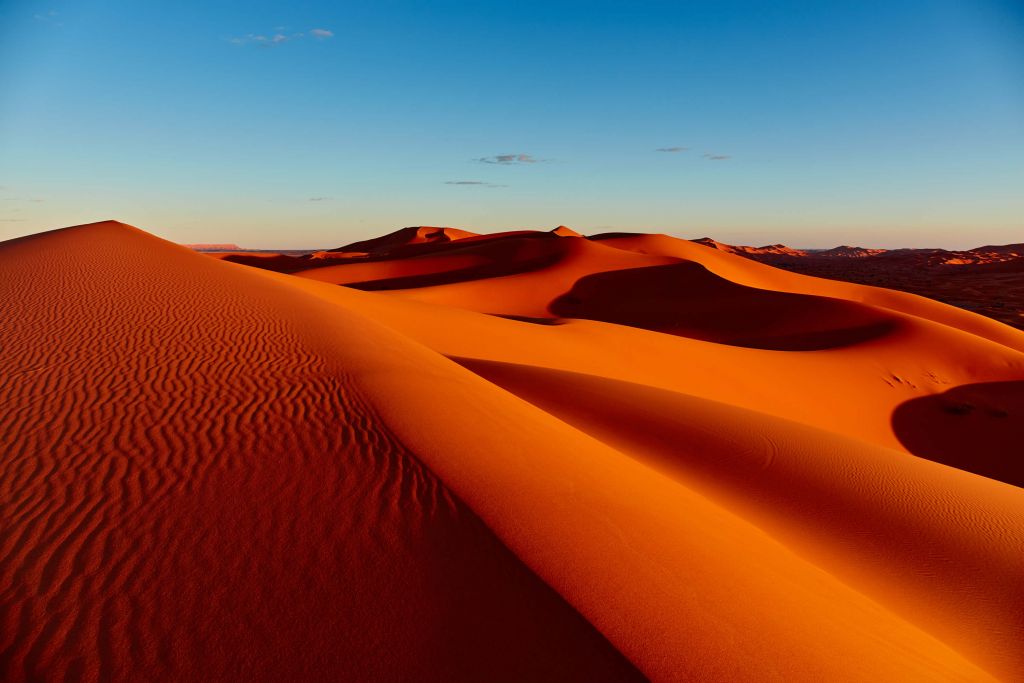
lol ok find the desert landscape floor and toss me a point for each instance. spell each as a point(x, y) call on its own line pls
point(441, 456)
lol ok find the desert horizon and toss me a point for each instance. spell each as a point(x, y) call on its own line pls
point(545, 341)
point(774, 247)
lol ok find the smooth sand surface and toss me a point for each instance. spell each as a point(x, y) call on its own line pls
point(530, 456)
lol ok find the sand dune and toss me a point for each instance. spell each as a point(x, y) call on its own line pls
point(526, 456)
point(987, 280)
point(282, 263)
point(196, 487)
point(406, 237)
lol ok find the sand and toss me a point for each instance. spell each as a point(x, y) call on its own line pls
point(529, 456)
point(988, 280)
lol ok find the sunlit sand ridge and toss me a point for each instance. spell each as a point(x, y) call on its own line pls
point(530, 456)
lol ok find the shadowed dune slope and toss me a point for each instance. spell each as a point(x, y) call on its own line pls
point(688, 300)
point(212, 471)
point(463, 261)
point(975, 427)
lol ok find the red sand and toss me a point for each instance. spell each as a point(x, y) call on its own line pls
point(529, 456)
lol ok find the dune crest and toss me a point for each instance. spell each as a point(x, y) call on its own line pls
point(438, 455)
point(405, 237)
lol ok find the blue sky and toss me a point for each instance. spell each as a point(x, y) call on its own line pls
point(310, 124)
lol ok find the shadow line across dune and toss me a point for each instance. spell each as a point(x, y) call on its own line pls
point(482, 271)
point(974, 427)
point(902, 529)
point(688, 300)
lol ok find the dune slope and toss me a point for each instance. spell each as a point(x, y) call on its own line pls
point(196, 488)
point(903, 530)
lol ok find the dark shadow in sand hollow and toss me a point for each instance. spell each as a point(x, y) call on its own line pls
point(688, 300)
point(976, 427)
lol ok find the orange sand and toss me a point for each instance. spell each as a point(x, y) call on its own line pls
point(529, 456)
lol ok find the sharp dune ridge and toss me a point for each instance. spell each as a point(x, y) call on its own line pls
point(440, 455)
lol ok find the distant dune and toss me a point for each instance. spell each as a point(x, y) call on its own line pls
point(440, 455)
point(214, 247)
point(988, 280)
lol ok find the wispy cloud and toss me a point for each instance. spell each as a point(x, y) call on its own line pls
point(279, 37)
point(51, 17)
point(265, 41)
point(510, 159)
point(477, 183)
point(717, 157)
point(320, 199)
point(672, 150)
point(13, 220)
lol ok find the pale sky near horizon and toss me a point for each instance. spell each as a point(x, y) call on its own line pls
point(312, 123)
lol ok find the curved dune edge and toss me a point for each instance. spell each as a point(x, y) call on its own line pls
point(676, 573)
point(754, 274)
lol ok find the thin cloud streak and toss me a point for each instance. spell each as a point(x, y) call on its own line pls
point(49, 18)
point(510, 159)
point(279, 38)
point(472, 183)
point(672, 150)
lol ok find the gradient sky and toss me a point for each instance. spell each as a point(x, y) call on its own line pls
point(311, 124)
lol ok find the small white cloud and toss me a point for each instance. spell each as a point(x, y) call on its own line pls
point(510, 159)
point(321, 33)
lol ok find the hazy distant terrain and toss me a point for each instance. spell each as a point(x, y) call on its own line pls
point(987, 280)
